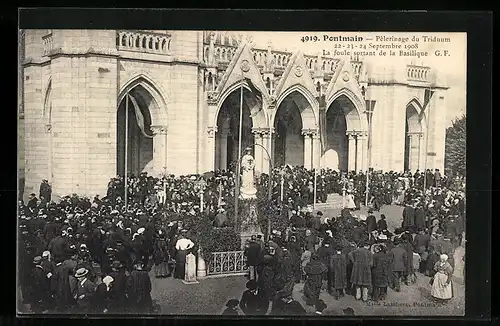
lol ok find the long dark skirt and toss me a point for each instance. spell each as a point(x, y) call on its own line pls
point(162, 270)
point(180, 264)
point(312, 289)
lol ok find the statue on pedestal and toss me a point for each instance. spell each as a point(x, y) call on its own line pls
point(248, 193)
point(247, 188)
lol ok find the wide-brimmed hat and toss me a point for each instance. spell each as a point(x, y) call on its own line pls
point(81, 272)
point(37, 260)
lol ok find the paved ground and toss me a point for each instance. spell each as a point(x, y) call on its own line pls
point(210, 295)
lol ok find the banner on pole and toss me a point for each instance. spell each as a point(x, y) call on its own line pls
point(139, 117)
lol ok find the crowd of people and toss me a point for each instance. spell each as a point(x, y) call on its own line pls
point(94, 255)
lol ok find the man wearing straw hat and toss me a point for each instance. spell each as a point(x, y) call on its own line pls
point(85, 290)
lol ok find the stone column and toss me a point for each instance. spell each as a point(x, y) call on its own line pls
point(420, 151)
point(351, 151)
point(308, 148)
point(360, 152)
point(48, 131)
point(316, 149)
point(267, 143)
point(364, 149)
point(258, 152)
point(159, 147)
point(211, 148)
point(223, 149)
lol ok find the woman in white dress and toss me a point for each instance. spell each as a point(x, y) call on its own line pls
point(442, 288)
point(350, 201)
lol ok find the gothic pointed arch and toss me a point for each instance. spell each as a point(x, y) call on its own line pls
point(144, 83)
point(305, 100)
point(345, 86)
point(242, 66)
point(296, 73)
point(47, 103)
point(258, 115)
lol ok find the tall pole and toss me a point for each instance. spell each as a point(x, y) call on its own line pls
point(237, 190)
point(126, 152)
point(315, 186)
point(368, 156)
point(426, 140)
point(270, 186)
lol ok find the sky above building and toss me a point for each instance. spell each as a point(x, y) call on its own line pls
point(454, 66)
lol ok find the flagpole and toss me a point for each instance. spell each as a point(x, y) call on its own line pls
point(237, 190)
point(126, 151)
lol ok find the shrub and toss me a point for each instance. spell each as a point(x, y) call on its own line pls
point(212, 239)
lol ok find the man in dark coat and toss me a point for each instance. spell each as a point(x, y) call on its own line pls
point(361, 277)
point(421, 243)
point(381, 272)
point(399, 262)
point(139, 289)
point(40, 298)
point(252, 253)
point(118, 301)
point(58, 247)
point(382, 223)
point(371, 222)
point(337, 274)
point(46, 190)
point(408, 217)
point(253, 301)
point(419, 218)
point(285, 278)
point(266, 277)
point(314, 270)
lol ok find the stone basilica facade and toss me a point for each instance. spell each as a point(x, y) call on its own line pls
point(183, 90)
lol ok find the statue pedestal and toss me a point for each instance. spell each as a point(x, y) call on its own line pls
point(249, 224)
point(190, 273)
point(246, 194)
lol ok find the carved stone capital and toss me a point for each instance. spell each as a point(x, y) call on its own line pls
point(211, 131)
point(309, 132)
point(416, 134)
point(159, 130)
point(258, 132)
point(48, 128)
point(212, 97)
point(267, 132)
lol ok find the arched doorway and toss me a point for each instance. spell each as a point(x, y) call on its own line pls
point(228, 119)
point(140, 136)
point(343, 146)
point(287, 139)
point(336, 149)
point(413, 139)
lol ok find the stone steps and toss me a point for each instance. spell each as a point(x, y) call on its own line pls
point(334, 201)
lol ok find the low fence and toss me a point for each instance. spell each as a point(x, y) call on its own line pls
point(227, 263)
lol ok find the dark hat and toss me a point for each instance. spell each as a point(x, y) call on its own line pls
point(232, 303)
point(251, 285)
point(320, 213)
point(348, 311)
point(320, 305)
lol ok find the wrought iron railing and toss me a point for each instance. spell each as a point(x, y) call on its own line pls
point(228, 262)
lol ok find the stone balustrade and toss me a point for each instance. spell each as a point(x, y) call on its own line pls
point(418, 73)
point(48, 44)
point(146, 42)
point(329, 64)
